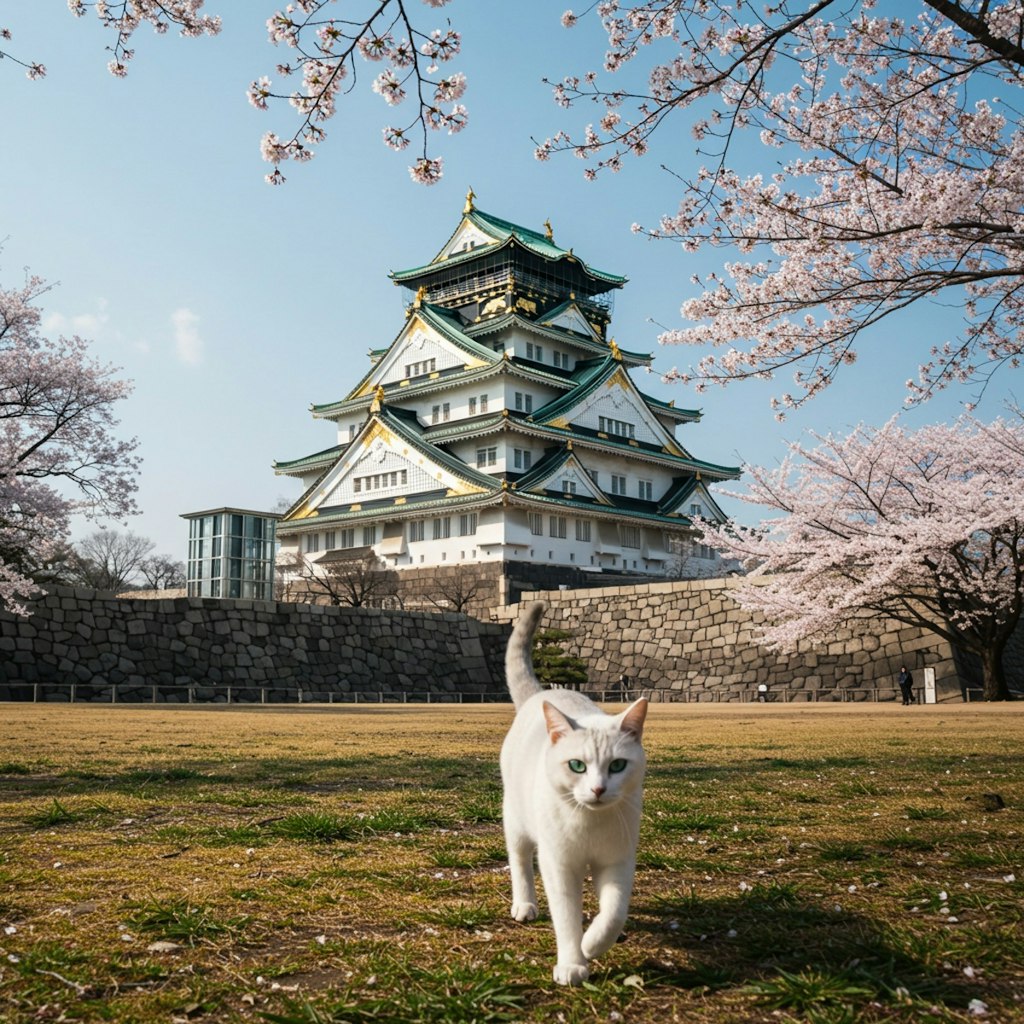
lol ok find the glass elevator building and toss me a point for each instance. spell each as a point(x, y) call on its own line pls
point(231, 553)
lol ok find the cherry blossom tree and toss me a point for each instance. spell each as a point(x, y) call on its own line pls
point(925, 527)
point(58, 451)
point(895, 147)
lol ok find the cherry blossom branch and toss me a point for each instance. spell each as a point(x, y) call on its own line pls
point(123, 17)
point(330, 59)
point(33, 69)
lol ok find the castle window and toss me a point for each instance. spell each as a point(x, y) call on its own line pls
point(618, 428)
point(416, 530)
point(312, 543)
point(536, 521)
point(442, 528)
point(421, 368)
point(535, 352)
point(435, 414)
point(446, 412)
point(467, 524)
point(348, 538)
point(522, 458)
point(568, 486)
point(330, 540)
point(696, 510)
point(369, 536)
point(380, 481)
point(618, 484)
point(483, 403)
point(472, 406)
point(630, 536)
point(486, 457)
point(645, 490)
point(524, 403)
point(556, 526)
point(583, 530)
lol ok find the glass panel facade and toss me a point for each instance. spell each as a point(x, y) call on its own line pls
point(231, 554)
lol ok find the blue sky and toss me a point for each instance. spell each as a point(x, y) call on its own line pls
point(233, 305)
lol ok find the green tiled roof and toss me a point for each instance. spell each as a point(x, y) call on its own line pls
point(683, 488)
point(308, 461)
point(504, 231)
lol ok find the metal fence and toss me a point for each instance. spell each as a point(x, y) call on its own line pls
point(178, 693)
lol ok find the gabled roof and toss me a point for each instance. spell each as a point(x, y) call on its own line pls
point(570, 314)
point(683, 491)
point(296, 467)
point(401, 427)
point(561, 464)
point(433, 317)
point(592, 376)
point(504, 233)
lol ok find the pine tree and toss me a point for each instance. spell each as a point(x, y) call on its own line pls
point(554, 667)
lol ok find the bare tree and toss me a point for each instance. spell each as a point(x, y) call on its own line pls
point(161, 572)
point(452, 589)
point(109, 559)
point(353, 577)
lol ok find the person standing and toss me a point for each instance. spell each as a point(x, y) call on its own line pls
point(906, 684)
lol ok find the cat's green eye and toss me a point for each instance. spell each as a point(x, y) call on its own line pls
point(579, 767)
point(618, 765)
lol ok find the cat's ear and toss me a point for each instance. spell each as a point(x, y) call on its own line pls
point(633, 717)
point(559, 725)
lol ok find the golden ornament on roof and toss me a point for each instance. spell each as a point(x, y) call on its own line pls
point(469, 207)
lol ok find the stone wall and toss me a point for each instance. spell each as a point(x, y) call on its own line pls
point(683, 640)
point(691, 639)
point(178, 649)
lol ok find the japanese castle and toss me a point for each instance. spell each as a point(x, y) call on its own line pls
point(502, 425)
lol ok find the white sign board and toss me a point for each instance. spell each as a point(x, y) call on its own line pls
point(929, 686)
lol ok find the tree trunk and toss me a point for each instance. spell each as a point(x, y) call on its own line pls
point(994, 679)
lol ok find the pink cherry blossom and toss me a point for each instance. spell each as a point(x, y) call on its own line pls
point(426, 171)
point(56, 427)
point(925, 527)
point(897, 175)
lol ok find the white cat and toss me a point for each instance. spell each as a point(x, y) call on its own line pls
point(573, 779)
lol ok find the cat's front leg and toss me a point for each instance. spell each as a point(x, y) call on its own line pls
point(564, 889)
point(520, 864)
point(614, 885)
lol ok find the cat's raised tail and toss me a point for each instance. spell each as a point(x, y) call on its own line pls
point(519, 675)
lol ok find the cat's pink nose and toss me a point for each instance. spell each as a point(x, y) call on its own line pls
point(598, 791)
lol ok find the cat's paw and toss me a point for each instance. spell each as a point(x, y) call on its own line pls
point(571, 974)
point(524, 911)
point(598, 940)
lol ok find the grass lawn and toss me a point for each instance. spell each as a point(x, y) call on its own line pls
point(797, 863)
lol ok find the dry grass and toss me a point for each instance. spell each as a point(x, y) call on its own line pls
point(821, 864)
